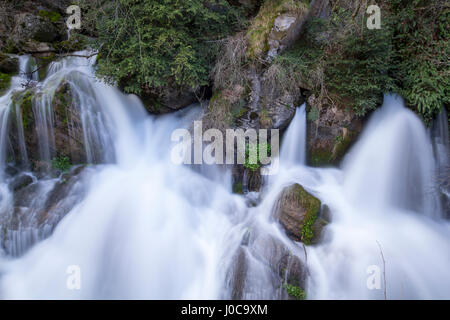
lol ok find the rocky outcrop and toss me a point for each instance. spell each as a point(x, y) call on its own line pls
point(331, 131)
point(32, 26)
point(279, 24)
point(300, 215)
point(9, 64)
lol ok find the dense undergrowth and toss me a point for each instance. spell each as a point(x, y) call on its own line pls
point(341, 60)
point(147, 45)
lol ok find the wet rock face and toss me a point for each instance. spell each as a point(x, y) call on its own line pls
point(299, 214)
point(331, 131)
point(31, 31)
point(31, 25)
point(67, 128)
point(265, 255)
point(172, 100)
point(284, 33)
point(38, 207)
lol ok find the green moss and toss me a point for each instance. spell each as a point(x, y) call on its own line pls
point(61, 104)
point(5, 81)
point(237, 188)
point(50, 15)
point(24, 101)
point(320, 157)
point(295, 291)
point(311, 205)
point(76, 42)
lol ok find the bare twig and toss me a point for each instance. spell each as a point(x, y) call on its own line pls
point(384, 270)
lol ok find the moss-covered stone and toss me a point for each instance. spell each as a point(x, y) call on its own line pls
point(5, 81)
point(299, 214)
point(23, 100)
point(332, 153)
point(76, 42)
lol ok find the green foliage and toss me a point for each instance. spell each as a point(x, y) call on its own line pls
point(51, 16)
point(422, 50)
point(147, 45)
point(61, 163)
point(359, 71)
point(345, 62)
point(5, 80)
point(258, 148)
point(311, 205)
point(295, 291)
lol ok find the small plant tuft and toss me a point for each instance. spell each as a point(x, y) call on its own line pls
point(61, 163)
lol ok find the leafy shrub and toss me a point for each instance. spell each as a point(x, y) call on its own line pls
point(422, 50)
point(147, 45)
point(343, 61)
point(295, 291)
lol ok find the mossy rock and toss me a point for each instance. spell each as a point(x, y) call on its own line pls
point(299, 214)
point(50, 15)
point(5, 81)
point(75, 43)
point(332, 153)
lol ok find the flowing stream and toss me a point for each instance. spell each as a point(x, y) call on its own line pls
point(137, 226)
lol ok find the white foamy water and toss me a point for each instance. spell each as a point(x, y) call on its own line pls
point(148, 229)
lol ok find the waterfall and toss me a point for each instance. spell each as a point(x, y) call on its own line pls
point(134, 225)
point(441, 144)
point(294, 144)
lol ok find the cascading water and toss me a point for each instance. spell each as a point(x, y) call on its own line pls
point(139, 226)
point(294, 143)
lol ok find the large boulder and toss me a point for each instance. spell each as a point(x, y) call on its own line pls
point(300, 214)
